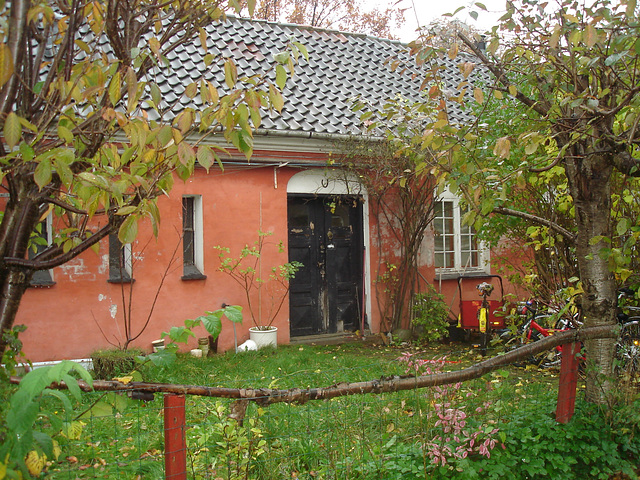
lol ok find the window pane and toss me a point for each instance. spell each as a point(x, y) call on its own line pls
point(447, 209)
point(469, 259)
point(298, 216)
point(449, 243)
point(340, 216)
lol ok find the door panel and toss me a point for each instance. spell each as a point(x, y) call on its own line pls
point(325, 234)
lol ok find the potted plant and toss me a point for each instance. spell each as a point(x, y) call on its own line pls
point(212, 322)
point(246, 270)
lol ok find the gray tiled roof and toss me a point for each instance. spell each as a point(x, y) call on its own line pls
point(318, 99)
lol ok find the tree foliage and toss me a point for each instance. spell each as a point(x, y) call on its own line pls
point(348, 16)
point(570, 76)
point(85, 132)
point(402, 201)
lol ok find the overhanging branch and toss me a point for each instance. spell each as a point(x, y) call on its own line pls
point(501, 75)
point(571, 237)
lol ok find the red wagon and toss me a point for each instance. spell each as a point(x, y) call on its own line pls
point(470, 317)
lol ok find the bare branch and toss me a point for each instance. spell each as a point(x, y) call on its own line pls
point(571, 237)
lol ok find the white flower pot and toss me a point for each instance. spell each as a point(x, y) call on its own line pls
point(264, 338)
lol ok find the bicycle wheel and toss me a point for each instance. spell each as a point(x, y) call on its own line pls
point(628, 348)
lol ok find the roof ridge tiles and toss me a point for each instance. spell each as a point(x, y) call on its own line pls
point(310, 28)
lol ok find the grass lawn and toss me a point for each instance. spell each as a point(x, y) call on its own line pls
point(499, 426)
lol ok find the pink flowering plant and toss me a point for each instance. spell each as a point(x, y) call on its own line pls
point(452, 436)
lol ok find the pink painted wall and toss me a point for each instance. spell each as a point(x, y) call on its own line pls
point(65, 320)
point(72, 318)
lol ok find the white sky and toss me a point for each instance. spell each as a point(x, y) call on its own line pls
point(422, 12)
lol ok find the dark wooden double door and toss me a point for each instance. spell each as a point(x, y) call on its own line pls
point(325, 235)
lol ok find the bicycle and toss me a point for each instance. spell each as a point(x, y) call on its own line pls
point(533, 329)
point(535, 326)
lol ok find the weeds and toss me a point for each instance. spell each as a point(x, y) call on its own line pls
point(499, 426)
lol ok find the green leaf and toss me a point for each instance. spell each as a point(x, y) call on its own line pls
point(165, 135)
point(186, 154)
point(99, 409)
point(114, 89)
point(63, 169)
point(275, 97)
point(162, 358)
point(12, 130)
point(43, 173)
point(251, 5)
point(233, 313)
point(205, 157)
point(156, 95)
point(611, 59)
point(281, 77)
point(192, 90)
point(212, 322)
point(180, 334)
point(230, 73)
point(45, 442)
point(622, 226)
point(26, 151)
point(126, 210)
point(302, 49)
point(128, 230)
point(119, 401)
point(281, 58)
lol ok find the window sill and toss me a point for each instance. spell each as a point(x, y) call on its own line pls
point(121, 280)
point(450, 274)
point(193, 276)
point(44, 284)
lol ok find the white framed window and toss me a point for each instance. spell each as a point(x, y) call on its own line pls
point(456, 247)
point(192, 238)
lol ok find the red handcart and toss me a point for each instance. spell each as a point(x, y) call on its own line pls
point(479, 315)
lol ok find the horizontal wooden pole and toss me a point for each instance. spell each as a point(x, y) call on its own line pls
point(267, 396)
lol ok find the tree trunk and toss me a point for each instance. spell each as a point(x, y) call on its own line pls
point(20, 218)
point(589, 178)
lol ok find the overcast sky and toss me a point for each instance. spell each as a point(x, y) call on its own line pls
point(422, 12)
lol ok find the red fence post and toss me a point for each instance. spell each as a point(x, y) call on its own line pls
point(175, 446)
point(568, 382)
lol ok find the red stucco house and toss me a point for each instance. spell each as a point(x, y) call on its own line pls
point(286, 189)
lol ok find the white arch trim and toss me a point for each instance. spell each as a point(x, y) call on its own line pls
point(325, 182)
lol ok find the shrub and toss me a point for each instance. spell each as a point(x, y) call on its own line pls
point(430, 315)
point(113, 363)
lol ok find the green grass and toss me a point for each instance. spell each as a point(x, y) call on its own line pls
point(356, 437)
